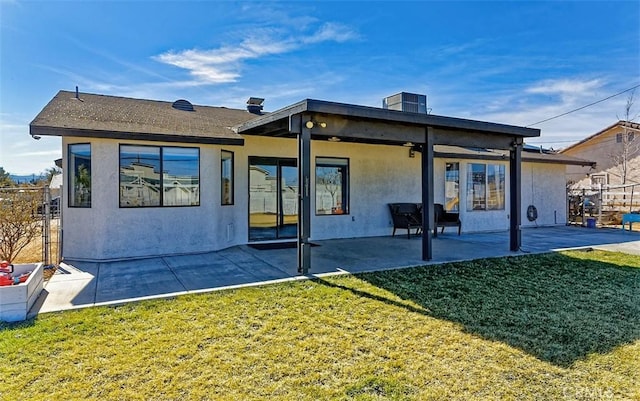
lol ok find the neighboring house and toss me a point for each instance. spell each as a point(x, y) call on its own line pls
point(55, 185)
point(147, 178)
point(616, 151)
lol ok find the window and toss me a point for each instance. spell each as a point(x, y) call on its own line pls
point(599, 179)
point(476, 187)
point(332, 186)
point(80, 175)
point(495, 187)
point(620, 137)
point(226, 177)
point(143, 185)
point(181, 176)
point(485, 187)
point(452, 187)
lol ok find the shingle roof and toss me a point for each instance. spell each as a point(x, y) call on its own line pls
point(126, 118)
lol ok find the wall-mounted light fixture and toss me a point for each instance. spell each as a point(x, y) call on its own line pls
point(412, 148)
point(310, 124)
point(333, 139)
point(36, 137)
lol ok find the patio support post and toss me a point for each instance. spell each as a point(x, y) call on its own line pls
point(304, 197)
point(515, 180)
point(427, 194)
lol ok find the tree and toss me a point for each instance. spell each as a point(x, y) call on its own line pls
point(50, 172)
point(5, 179)
point(19, 221)
point(331, 179)
point(82, 185)
point(630, 144)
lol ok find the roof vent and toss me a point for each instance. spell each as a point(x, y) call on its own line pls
point(183, 105)
point(254, 105)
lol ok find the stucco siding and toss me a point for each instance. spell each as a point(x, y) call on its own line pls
point(604, 149)
point(107, 231)
point(544, 186)
point(378, 175)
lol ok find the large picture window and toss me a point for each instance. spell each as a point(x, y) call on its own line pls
point(452, 187)
point(332, 186)
point(159, 176)
point(485, 187)
point(80, 175)
point(226, 177)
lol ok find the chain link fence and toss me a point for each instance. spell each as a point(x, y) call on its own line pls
point(602, 204)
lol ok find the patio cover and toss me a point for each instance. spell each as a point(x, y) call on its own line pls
point(321, 120)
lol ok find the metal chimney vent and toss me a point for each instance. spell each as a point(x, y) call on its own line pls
point(183, 105)
point(407, 102)
point(254, 105)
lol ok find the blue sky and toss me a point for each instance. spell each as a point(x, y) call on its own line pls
point(510, 62)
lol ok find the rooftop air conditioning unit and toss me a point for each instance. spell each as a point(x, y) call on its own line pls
point(407, 102)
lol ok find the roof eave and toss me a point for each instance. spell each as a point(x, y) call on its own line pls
point(41, 130)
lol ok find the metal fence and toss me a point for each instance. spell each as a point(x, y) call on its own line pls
point(604, 203)
point(44, 214)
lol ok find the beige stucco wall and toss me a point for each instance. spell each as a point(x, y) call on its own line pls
point(602, 149)
point(543, 186)
point(377, 175)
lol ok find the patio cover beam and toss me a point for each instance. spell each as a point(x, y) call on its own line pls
point(304, 193)
point(427, 194)
point(369, 131)
point(379, 125)
point(515, 191)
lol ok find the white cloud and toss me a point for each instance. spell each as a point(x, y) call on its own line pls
point(565, 86)
point(331, 32)
point(224, 64)
point(565, 95)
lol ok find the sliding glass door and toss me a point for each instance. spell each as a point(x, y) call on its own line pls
point(273, 198)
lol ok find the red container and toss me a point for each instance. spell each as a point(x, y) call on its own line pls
point(6, 280)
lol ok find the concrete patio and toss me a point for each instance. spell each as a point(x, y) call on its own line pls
point(80, 284)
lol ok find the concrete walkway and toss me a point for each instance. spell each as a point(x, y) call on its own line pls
point(82, 284)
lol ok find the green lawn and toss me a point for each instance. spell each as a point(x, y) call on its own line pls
point(556, 327)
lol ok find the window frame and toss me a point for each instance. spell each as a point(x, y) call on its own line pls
point(502, 184)
point(161, 178)
point(599, 178)
point(457, 181)
point(72, 178)
point(345, 187)
point(231, 201)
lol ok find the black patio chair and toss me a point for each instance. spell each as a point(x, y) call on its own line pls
point(445, 219)
point(406, 216)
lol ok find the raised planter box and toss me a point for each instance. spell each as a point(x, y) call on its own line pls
point(16, 300)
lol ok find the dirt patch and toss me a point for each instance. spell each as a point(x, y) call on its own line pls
point(32, 253)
